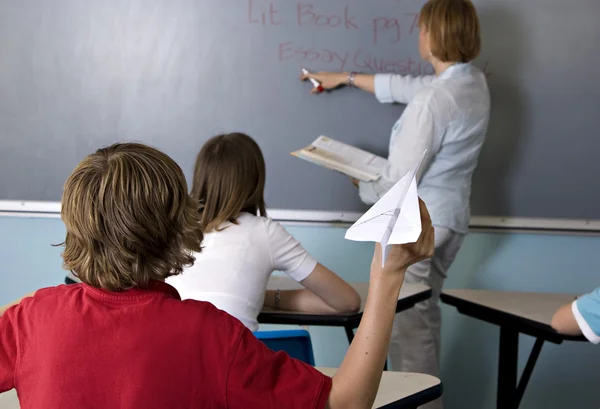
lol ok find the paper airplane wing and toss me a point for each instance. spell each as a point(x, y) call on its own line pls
point(372, 230)
point(395, 218)
point(408, 225)
point(373, 224)
point(378, 223)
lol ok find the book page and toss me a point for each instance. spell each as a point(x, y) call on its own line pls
point(351, 156)
point(334, 162)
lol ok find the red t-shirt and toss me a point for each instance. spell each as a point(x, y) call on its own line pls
point(80, 347)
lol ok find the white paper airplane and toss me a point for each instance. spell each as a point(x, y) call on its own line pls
point(394, 219)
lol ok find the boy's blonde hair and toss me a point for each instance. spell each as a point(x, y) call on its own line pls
point(229, 178)
point(453, 28)
point(129, 218)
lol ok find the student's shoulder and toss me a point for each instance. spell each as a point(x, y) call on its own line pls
point(591, 299)
point(249, 221)
point(203, 317)
point(46, 302)
point(586, 310)
point(596, 293)
point(265, 224)
point(52, 294)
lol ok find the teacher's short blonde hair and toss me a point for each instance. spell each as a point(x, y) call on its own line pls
point(453, 28)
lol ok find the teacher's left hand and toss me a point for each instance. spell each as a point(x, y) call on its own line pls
point(355, 182)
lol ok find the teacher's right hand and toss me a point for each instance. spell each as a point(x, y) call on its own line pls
point(328, 80)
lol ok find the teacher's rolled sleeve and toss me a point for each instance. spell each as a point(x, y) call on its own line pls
point(399, 88)
point(586, 310)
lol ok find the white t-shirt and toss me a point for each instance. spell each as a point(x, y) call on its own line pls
point(235, 264)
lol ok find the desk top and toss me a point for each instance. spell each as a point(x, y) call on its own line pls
point(402, 389)
point(409, 295)
point(397, 390)
point(534, 310)
point(9, 400)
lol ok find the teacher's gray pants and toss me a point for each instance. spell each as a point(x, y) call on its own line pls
point(415, 343)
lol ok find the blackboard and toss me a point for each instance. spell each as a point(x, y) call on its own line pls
point(77, 75)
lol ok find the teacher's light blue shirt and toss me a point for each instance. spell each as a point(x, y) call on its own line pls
point(448, 115)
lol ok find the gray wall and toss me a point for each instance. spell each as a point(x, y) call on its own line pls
point(75, 76)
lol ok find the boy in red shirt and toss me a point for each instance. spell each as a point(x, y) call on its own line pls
point(124, 339)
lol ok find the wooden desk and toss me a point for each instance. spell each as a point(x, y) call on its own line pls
point(409, 296)
point(402, 390)
point(398, 390)
point(515, 313)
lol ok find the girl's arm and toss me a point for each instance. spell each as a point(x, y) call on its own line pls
point(325, 293)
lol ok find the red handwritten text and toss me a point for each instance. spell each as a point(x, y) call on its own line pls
point(387, 24)
point(290, 51)
point(263, 17)
point(391, 27)
point(415, 21)
point(359, 59)
point(366, 61)
point(308, 17)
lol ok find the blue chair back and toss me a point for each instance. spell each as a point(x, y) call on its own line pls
point(295, 342)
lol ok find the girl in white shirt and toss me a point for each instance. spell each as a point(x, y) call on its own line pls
point(242, 247)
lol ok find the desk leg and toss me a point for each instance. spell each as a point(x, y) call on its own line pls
point(535, 353)
point(349, 333)
point(507, 368)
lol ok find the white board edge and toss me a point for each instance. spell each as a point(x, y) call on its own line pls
point(535, 224)
point(38, 209)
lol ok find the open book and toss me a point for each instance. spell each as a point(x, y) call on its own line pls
point(395, 218)
point(343, 158)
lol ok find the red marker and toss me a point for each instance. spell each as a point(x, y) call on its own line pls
point(313, 81)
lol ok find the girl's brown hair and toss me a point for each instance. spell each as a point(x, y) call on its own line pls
point(229, 178)
point(129, 218)
point(453, 28)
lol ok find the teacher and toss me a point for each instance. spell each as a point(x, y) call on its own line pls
point(446, 114)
